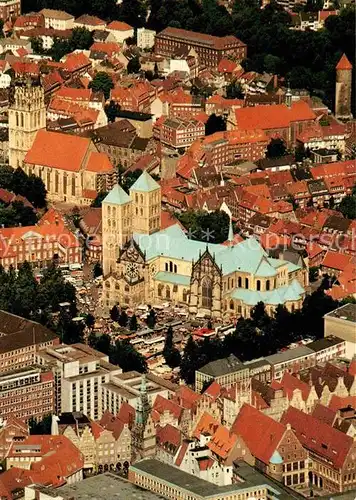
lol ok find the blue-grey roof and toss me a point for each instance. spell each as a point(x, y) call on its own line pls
point(145, 183)
point(117, 196)
point(280, 295)
point(175, 279)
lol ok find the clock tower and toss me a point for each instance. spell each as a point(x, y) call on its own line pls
point(117, 226)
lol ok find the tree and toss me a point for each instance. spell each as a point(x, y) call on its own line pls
point(123, 320)
point(81, 39)
point(151, 318)
point(126, 356)
point(133, 66)
point(99, 199)
point(53, 290)
point(69, 331)
point(133, 323)
point(102, 82)
point(16, 213)
point(126, 181)
point(313, 273)
point(347, 205)
point(276, 148)
point(189, 361)
point(115, 313)
point(90, 321)
point(234, 91)
point(101, 343)
point(40, 427)
point(215, 124)
point(210, 227)
point(25, 291)
point(97, 270)
point(170, 353)
point(37, 45)
point(112, 110)
point(133, 12)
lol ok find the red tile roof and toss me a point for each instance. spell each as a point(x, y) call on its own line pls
point(260, 433)
point(289, 384)
point(57, 150)
point(207, 426)
point(226, 66)
point(318, 437)
point(337, 402)
point(119, 26)
point(186, 397)
point(324, 414)
point(99, 163)
point(336, 261)
point(162, 404)
point(76, 61)
point(169, 435)
point(344, 63)
point(274, 116)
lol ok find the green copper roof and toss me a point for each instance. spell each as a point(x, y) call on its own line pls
point(117, 196)
point(291, 292)
point(175, 279)
point(265, 269)
point(145, 183)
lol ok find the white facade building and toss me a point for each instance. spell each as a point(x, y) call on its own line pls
point(145, 38)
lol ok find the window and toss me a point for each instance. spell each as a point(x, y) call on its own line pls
point(267, 285)
point(239, 281)
point(246, 283)
point(207, 293)
point(258, 285)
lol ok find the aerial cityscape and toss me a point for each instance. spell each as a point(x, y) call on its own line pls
point(177, 250)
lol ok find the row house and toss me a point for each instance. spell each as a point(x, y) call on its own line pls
point(26, 393)
point(91, 23)
point(105, 444)
point(28, 21)
point(331, 452)
point(219, 105)
point(137, 97)
point(331, 170)
point(210, 49)
point(326, 133)
point(57, 19)
point(274, 446)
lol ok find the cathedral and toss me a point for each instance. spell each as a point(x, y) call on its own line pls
point(143, 264)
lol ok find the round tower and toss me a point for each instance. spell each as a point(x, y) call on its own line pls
point(343, 89)
point(276, 466)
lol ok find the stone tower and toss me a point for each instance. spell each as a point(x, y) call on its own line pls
point(27, 115)
point(143, 434)
point(117, 225)
point(343, 89)
point(146, 205)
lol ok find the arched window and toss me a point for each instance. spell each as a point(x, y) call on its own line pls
point(185, 295)
point(168, 292)
point(141, 211)
point(231, 304)
point(21, 119)
point(258, 285)
point(160, 288)
point(56, 182)
point(141, 199)
point(207, 293)
point(73, 185)
point(109, 210)
point(166, 266)
point(228, 283)
point(17, 119)
point(175, 288)
point(293, 307)
point(175, 268)
point(240, 282)
point(246, 283)
point(267, 285)
point(65, 183)
point(171, 267)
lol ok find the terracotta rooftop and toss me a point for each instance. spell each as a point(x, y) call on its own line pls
point(344, 64)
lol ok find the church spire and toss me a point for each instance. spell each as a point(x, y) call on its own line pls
point(231, 232)
point(142, 406)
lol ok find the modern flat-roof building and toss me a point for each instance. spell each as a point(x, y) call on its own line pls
point(170, 482)
point(79, 374)
point(226, 372)
point(292, 360)
point(210, 49)
point(125, 388)
point(26, 393)
point(20, 338)
point(342, 323)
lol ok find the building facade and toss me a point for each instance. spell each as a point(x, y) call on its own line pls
point(210, 49)
point(27, 115)
point(145, 265)
point(26, 393)
point(9, 9)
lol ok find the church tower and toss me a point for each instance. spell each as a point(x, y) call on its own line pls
point(143, 432)
point(343, 89)
point(116, 225)
point(27, 115)
point(146, 200)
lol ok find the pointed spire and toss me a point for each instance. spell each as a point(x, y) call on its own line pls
point(289, 96)
point(231, 232)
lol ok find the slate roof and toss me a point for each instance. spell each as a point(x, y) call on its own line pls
point(222, 366)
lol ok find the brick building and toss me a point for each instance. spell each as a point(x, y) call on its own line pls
point(9, 8)
point(19, 341)
point(210, 49)
point(178, 133)
point(26, 393)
